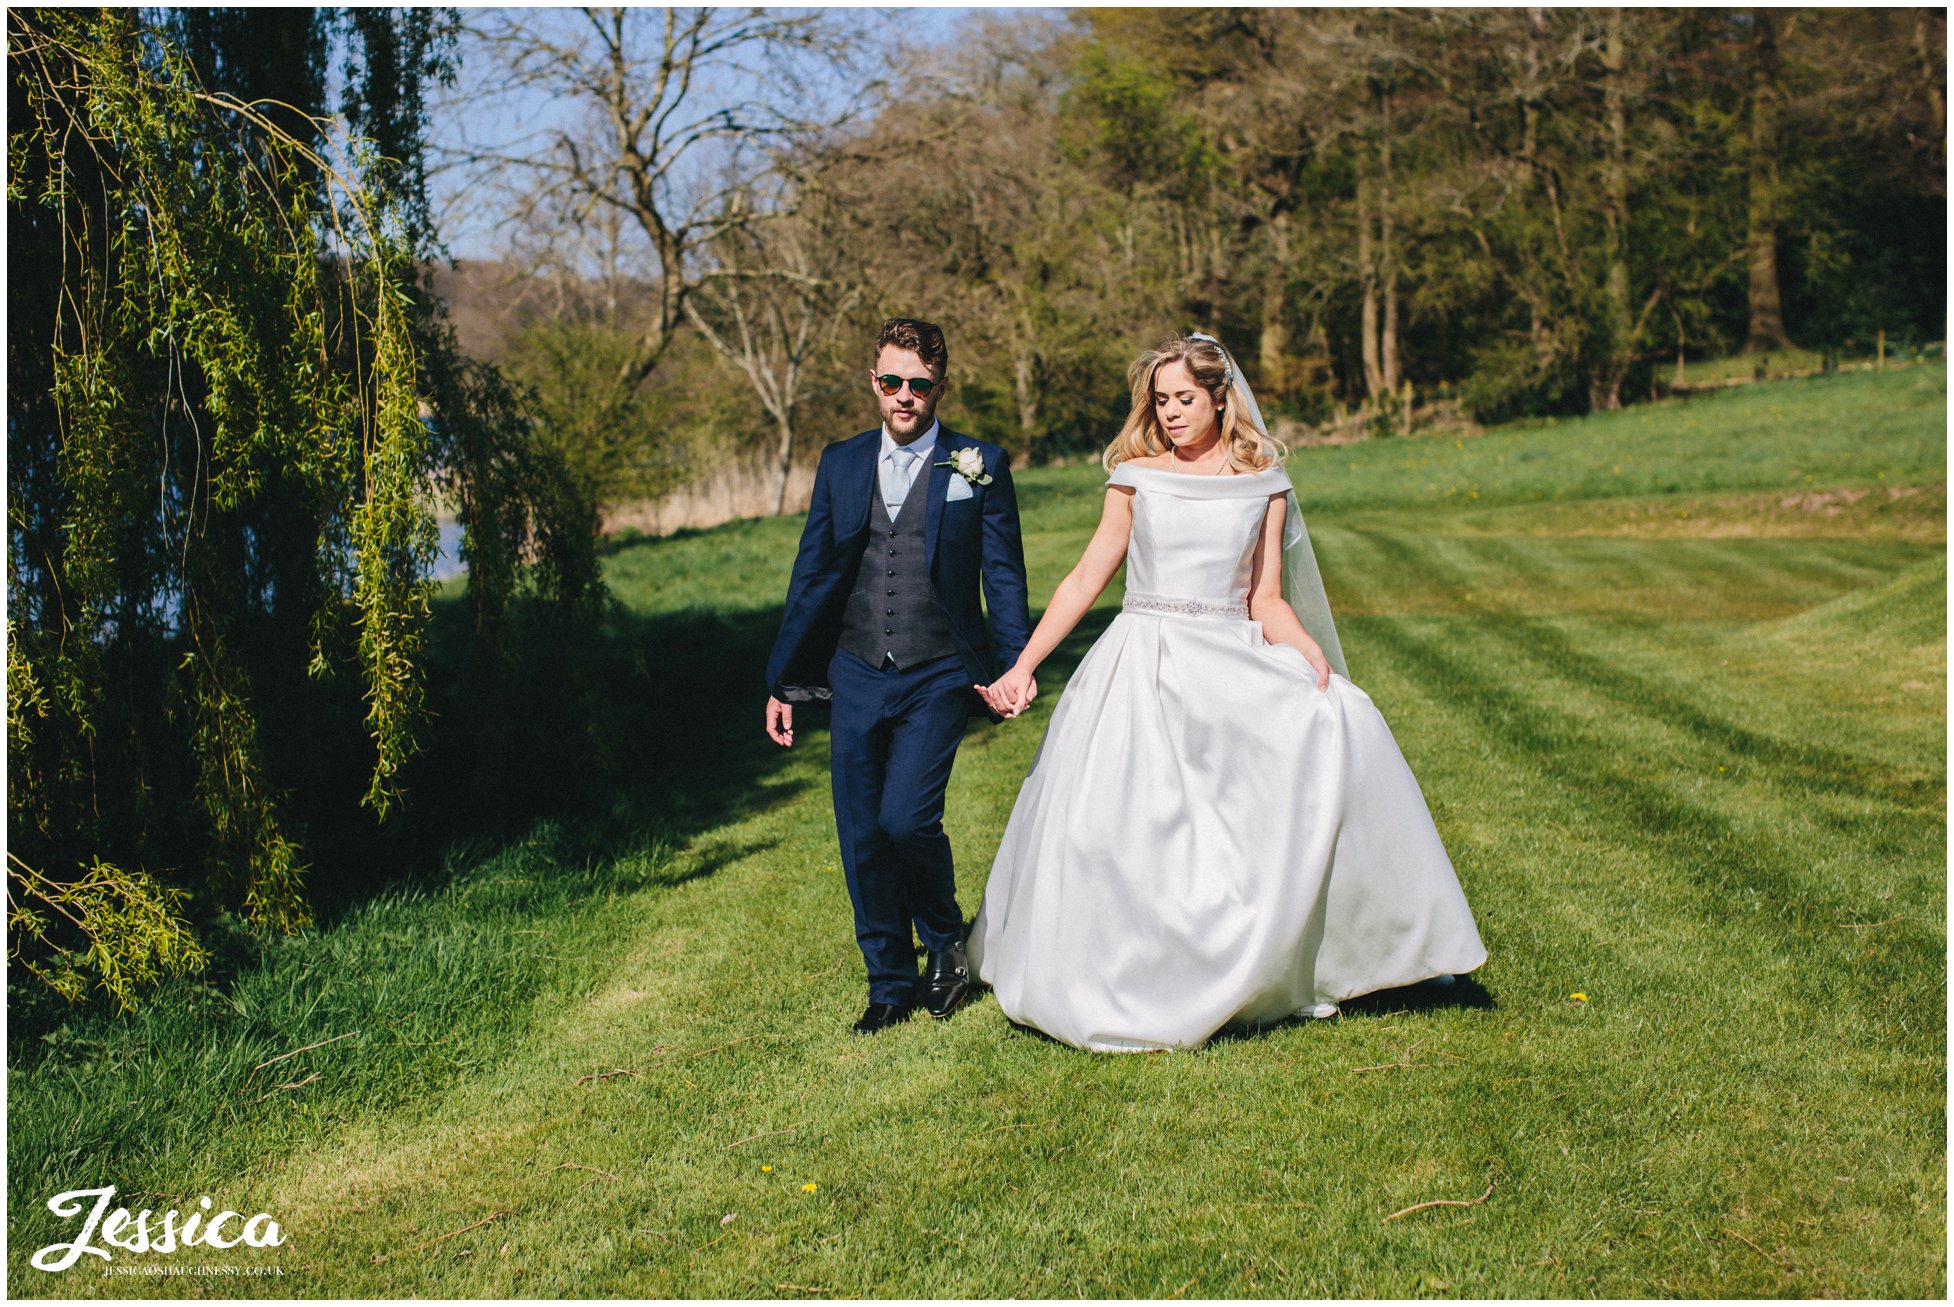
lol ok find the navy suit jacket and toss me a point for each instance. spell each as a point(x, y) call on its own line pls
point(967, 540)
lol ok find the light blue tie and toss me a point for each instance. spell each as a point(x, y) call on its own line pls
point(902, 475)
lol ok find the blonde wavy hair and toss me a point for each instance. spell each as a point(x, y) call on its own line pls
point(1250, 448)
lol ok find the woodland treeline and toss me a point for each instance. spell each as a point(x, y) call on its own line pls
point(245, 371)
point(1392, 215)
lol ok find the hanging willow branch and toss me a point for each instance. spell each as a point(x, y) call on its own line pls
point(217, 447)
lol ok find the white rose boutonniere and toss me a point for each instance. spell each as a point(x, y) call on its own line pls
point(968, 464)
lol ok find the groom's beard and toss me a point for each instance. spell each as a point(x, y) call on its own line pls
point(910, 423)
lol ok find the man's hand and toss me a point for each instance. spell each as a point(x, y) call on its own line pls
point(780, 722)
point(1011, 693)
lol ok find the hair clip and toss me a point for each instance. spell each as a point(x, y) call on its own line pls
point(1227, 363)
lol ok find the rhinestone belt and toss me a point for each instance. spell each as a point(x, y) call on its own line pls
point(1144, 603)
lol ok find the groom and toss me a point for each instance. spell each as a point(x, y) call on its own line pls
point(883, 624)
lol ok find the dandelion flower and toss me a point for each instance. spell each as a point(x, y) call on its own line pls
point(809, 1188)
point(766, 1168)
point(1579, 998)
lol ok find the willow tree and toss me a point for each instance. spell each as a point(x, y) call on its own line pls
point(230, 410)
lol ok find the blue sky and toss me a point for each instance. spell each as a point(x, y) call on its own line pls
point(492, 115)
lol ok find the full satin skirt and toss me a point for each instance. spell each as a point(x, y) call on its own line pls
point(1207, 839)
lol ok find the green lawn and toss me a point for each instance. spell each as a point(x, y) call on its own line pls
point(1674, 683)
point(1781, 363)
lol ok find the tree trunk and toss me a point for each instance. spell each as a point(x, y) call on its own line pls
point(1681, 336)
point(1367, 271)
point(1273, 343)
point(672, 294)
point(784, 455)
point(1610, 357)
point(1273, 351)
point(1024, 388)
point(1766, 308)
point(1529, 155)
point(1387, 248)
point(1933, 58)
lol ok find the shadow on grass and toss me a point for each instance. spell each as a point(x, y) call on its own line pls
point(604, 754)
point(1425, 996)
point(626, 744)
point(608, 755)
point(647, 735)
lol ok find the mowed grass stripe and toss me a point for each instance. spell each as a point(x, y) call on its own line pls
point(1672, 580)
point(1545, 645)
point(1631, 793)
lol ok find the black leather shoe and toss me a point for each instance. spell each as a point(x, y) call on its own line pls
point(879, 1017)
point(946, 981)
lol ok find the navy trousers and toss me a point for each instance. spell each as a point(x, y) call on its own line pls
point(894, 734)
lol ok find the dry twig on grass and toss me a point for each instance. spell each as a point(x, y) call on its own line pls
point(607, 1075)
point(1753, 1247)
point(296, 1084)
point(307, 1049)
point(1446, 1202)
point(294, 1053)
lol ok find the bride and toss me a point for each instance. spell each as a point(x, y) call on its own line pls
point(1218, 828)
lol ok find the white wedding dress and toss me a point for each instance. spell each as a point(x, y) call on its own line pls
point(1205, 837)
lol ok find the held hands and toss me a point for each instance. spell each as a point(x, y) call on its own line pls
point(1007, 696)
point(1011, 693)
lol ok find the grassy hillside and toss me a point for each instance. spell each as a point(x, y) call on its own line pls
point(1674, 683)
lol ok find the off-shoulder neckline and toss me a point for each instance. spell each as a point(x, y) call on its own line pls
point(1195, 476)
point(1193, 485)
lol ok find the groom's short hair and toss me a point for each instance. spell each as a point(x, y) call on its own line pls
point(924, 338)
